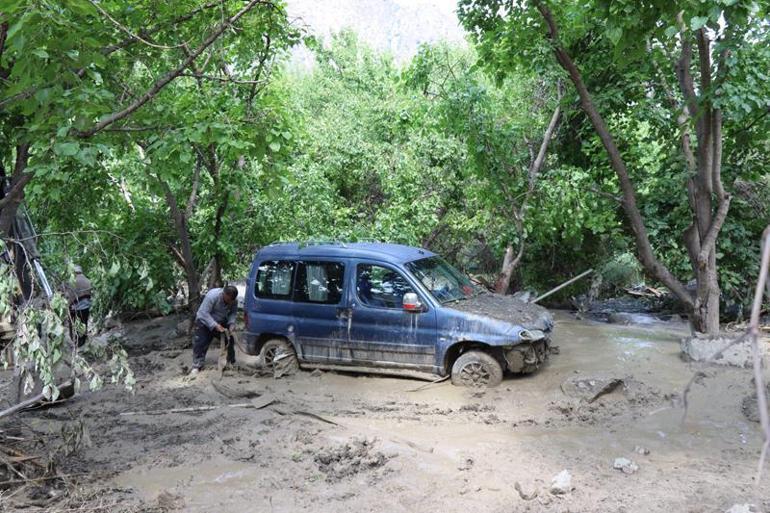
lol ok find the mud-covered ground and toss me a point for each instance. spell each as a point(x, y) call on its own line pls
point(337, 442)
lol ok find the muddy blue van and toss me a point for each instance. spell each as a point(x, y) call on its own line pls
point(386, 308)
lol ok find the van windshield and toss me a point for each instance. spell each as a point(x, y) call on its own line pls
point(446, 283)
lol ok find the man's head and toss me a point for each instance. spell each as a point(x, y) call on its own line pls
point(77, 269)
point(229, 294)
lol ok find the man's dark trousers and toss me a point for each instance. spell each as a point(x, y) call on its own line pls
point(201, 342)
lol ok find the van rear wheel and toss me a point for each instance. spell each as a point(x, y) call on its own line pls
point(476, 369)
point(279, 356)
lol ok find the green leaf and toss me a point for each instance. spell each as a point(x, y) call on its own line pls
point(698, 22)
point(671, 31)
point(275, 146)
point(40, 52)
point(66, 149)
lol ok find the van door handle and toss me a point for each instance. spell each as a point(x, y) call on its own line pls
point(344, 312)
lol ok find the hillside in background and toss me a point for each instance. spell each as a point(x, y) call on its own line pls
point(396, 26)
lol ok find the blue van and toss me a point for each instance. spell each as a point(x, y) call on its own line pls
point(386, 308)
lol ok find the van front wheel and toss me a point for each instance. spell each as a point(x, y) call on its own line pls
point(476, 369)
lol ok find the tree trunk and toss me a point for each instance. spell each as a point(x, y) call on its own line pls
point(511, 261)
point(184, 254)
point(702, 235)
point(14, 193)
point(215, 278)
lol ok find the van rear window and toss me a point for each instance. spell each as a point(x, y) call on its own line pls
point(274, 279)
point(319, 282)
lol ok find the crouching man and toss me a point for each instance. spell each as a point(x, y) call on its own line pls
point(215, 318)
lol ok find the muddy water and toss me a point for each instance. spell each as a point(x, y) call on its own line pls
point(457, 449)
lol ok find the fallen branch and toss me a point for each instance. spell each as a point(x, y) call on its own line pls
point(426, 385)
point(48, 478)
point(37, 400)
point(257, 405)
point(568, 282)
point(306, 414)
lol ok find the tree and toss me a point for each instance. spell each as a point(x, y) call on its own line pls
point(74, 71)
point(499, 125)
point(625, 32)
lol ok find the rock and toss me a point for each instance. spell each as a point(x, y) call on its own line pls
point(619, 318)
point(641, 450)
point(702, 348)
point(561, 483)
point(590, 388)
point(316, 373)
point(743, 508)
point(112, 323)
point(625, 465)
point(168, 501)
point(524, 295)
point(183, 327)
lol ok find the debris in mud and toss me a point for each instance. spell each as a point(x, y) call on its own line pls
point(467, 465)
point(476, 407)
point(357, 455)
point(641, 450)
point(590, 388)
point(524, 495)
point(168, 501)
point(750, 407)
point(317, 373)
point(561, 483)
point(625, 465)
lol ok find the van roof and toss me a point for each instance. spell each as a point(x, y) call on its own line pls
point(376, 250)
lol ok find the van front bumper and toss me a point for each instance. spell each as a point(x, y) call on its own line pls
point(528, 356)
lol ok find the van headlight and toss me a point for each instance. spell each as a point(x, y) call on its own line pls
point(531, 335)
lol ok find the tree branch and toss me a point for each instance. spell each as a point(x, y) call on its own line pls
point(134, 37)
point(168, 77)
point(3, 35)
point(194, 192)
point(227, 79)
point(147, 33)
point(644, 248)
point(709, 241)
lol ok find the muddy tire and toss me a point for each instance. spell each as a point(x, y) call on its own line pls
point(279, 356)
point(476, 369)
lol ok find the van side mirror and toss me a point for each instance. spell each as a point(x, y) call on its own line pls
point(412, 303)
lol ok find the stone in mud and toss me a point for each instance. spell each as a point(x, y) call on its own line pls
point(625, 465)
point(701, 348)
point(641, 450)
point(590, 388)
point(561, 483)
point(620, 318)
point(743, 508)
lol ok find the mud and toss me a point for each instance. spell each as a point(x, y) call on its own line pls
point(506, 308)
point(353, 443)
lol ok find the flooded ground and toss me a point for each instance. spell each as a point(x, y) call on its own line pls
point(336, 442)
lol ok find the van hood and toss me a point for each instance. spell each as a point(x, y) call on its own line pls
point(506, 308)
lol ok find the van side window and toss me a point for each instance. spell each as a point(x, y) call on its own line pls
point(381, 287)
point(319, 282)
point(274, 280)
